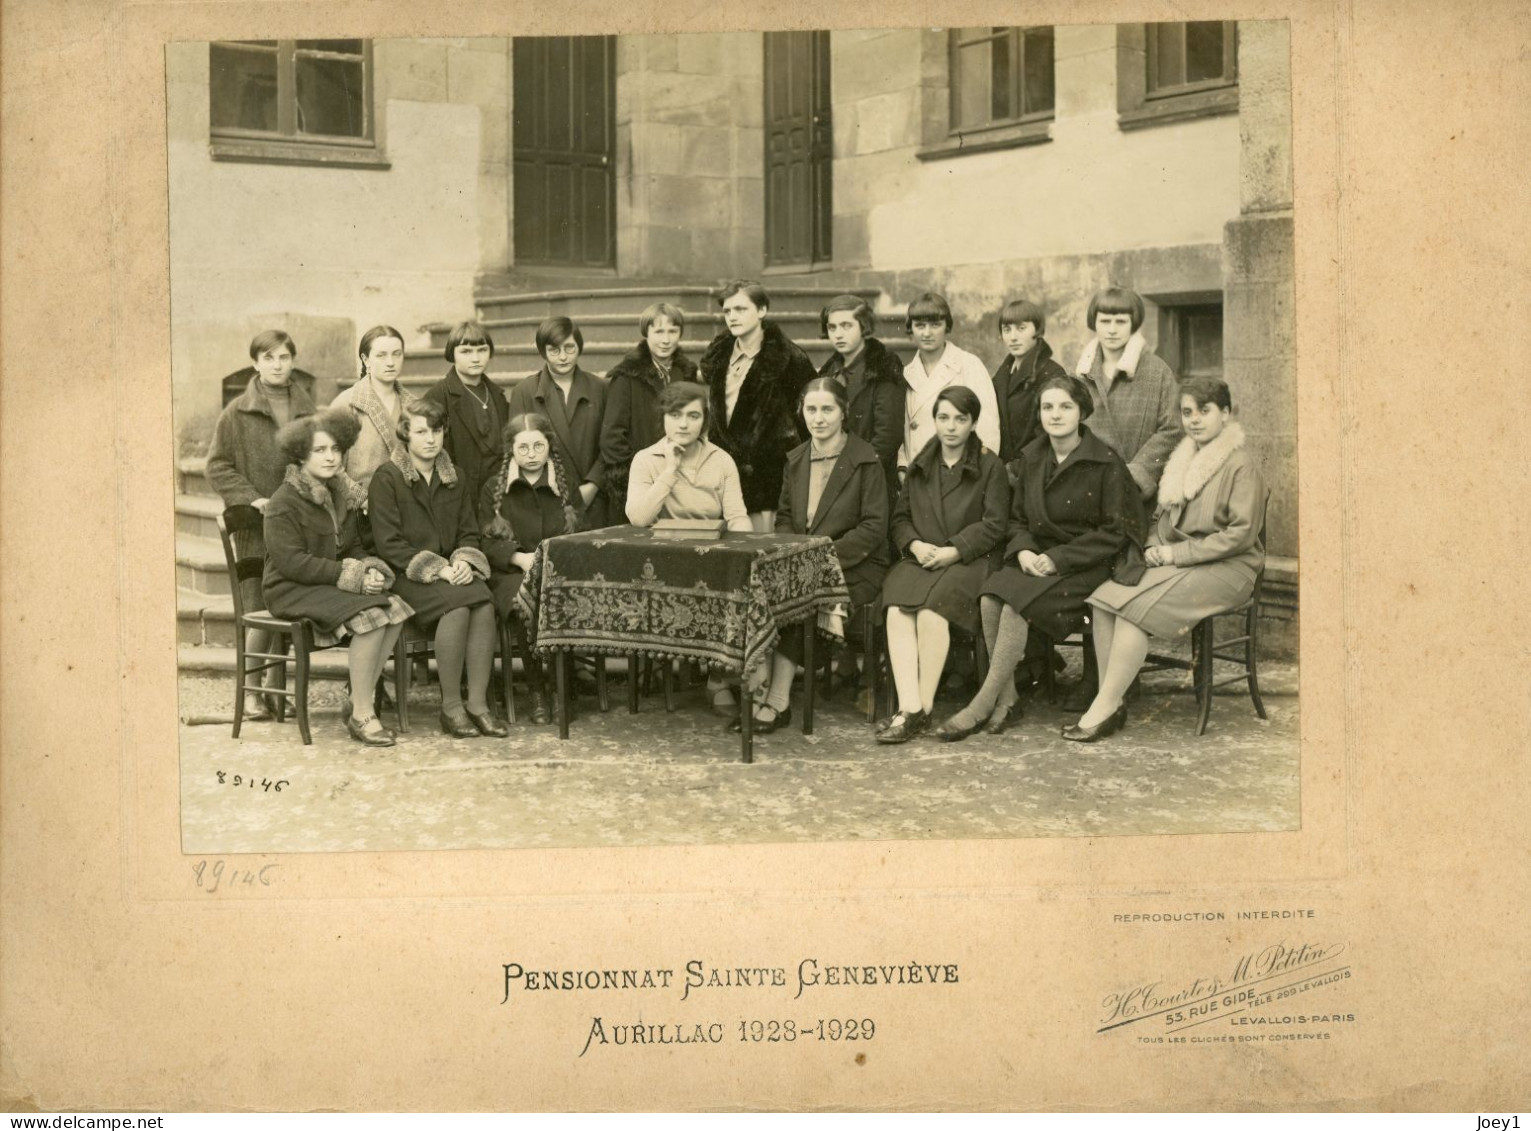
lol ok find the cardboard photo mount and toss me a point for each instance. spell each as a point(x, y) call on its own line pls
point(367, 981)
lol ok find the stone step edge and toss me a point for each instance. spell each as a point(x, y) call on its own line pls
point(201, 553)
point(660, 290)
point(694, 348)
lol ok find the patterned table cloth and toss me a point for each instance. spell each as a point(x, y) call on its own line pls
point(622, 590)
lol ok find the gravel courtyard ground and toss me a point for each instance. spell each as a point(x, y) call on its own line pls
point(661, 778)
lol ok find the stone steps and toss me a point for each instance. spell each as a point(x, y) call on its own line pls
point(200, 566)
point(198, 515)
point(204, 618)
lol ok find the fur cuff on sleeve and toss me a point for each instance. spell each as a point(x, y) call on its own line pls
point(425, 567)
point(475, 559)
point(381, 566)
point(353, 571)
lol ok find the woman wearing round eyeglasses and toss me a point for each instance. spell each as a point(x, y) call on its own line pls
point(532, 498)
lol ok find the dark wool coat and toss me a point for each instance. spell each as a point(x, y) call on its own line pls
point(1015, 388)
point(967, 511)
point(473, 438)
point(576, 429)
point(420, 527)
point(765, 425)
point(853, 510)
point(243, 463)
point(315, 565)
point(534, 512)
point(632, 420)
point(1083, 514)
point(876, 403)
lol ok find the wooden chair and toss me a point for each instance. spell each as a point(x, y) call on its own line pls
point(241, 529)
point(870, 624)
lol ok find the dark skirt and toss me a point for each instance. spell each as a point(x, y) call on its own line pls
point(326, 605)
point(503, 587)
point(433, 600)
point(951, 592)
point(1054, 605)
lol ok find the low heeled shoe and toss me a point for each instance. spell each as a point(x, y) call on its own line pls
point(455, 721)
point(358, 731)
point(949, 731)
point(903, 726)
point(1000, 719)
point(1109, 726)
point(488, 723)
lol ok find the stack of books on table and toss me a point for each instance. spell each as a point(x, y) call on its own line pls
point(690, 529)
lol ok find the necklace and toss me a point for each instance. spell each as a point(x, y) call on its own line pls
point(482, 403)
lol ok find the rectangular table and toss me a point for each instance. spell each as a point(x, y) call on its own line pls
point(621, 590)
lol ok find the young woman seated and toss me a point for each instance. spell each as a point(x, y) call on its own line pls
point(1204, 552)
point(949, 525)
point(530, 499)
point(685, 475)
point(423, 525)
point(834, 485)
point(1071, 520)
point(316, 567)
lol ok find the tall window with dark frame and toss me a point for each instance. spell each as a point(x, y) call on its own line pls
point(1188, 57)
point(1000, 76)
point(315, 91)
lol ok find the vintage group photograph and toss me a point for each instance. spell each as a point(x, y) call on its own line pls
point(734, 437)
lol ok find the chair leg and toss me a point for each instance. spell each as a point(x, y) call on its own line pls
point(809, 673)
point(1206, 641)
point(1049, 677)
point(283, 642)
point(239, 677)
point(401, 676)
point(869, 662)
point(507, 666)
point(301, 647)
point(601, 695)
point(632, 683)
point(1251, 657)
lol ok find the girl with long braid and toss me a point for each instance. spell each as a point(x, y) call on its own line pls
point(530, 498)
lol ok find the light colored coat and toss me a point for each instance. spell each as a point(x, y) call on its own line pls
point(956, 367)
point(377, 441)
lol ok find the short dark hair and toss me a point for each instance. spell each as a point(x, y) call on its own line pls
point(857, 306)
point(928, 308)
point(371, 336)
point(678, 394)
point(295, 439)
point(832, 385)
point(269, 340)
point(1208, 390)
point(555, 331)
point(468, 334)
point(1115, 300)
point(432, 411)
point(1019, 310)
point(747, 287)
point(1078, 392)
point(961, 398)
point(660, 310)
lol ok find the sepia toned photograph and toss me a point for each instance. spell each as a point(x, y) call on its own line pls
point(734, 437)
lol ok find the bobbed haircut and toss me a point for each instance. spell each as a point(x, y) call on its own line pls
point(678, 394)
point(1208, 390)
point(468, 334)
point(856, 306)
point(749, 289)
point(831, 385)
point(928, 308)
point(295, 439)
point(557, 330)
point(1019, 310)
point(269, 340)
point(1077, 390)
point(660, 310)
point(961, 398)
point(526, 422)
point(433, 412)
point(1115, 300)
point(371, 336)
